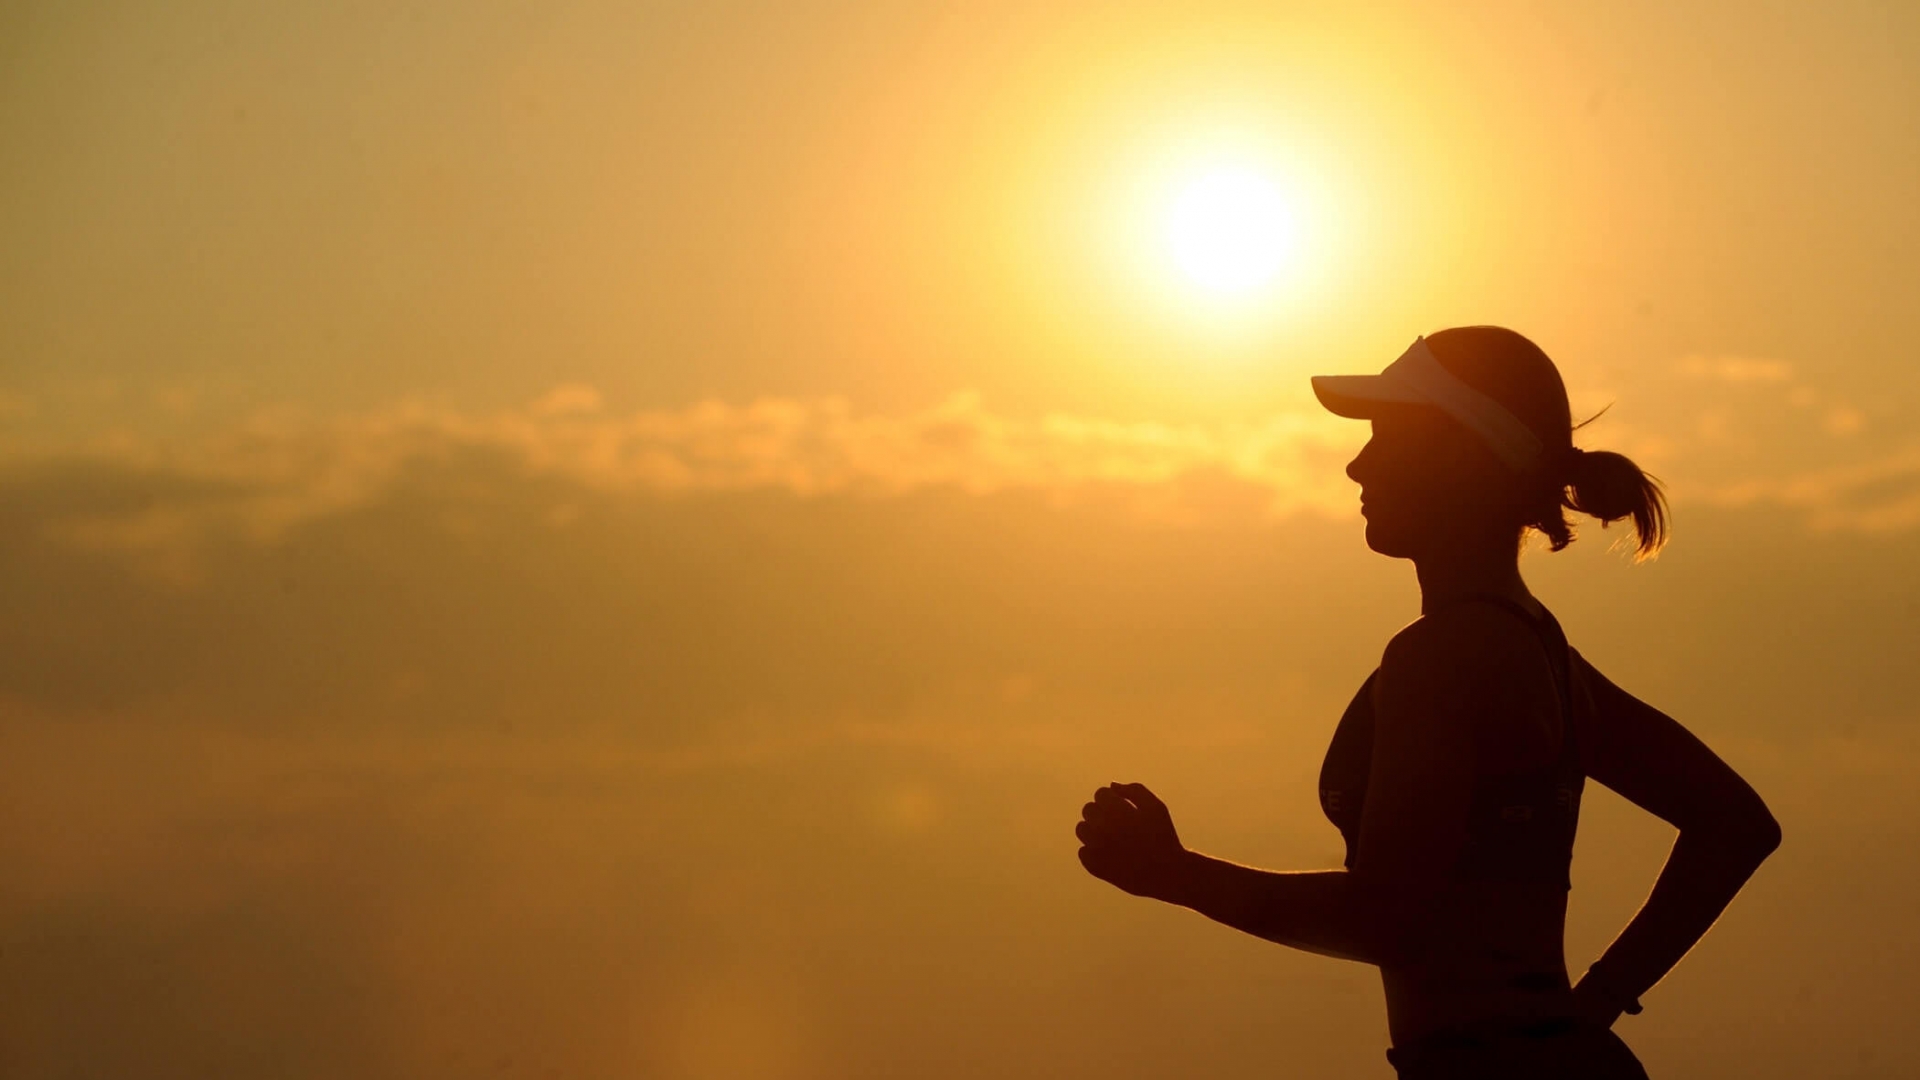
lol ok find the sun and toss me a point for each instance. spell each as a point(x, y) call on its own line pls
point(1231, 231)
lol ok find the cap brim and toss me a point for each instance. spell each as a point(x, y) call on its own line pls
point(1363, 397)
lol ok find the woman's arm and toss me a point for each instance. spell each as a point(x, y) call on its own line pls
point(1128, 840)
point(1726, 831)
point(1426, 699)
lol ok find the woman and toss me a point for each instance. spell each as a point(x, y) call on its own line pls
point(1455, 774)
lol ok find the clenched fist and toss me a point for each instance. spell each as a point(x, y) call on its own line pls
point(1127, 840)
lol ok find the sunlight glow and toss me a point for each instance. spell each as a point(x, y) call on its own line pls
point(1221, 238)
point(1231, 231)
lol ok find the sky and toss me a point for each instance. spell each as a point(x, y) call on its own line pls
point(612, 540)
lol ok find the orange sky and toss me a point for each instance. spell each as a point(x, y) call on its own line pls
point(612, 540)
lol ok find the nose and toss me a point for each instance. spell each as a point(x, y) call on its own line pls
point(1356, 469)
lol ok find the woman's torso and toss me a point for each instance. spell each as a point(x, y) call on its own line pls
point(1497, 951)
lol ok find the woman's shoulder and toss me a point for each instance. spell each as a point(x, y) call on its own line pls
point(1465, 637)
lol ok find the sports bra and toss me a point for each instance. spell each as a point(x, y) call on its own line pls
point(1520, 825)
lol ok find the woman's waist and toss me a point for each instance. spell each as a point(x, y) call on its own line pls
point(1562, 1047)
point(1494, 952)
point(1425, 1000)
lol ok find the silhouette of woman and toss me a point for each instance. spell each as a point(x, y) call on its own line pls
point(1456, 772)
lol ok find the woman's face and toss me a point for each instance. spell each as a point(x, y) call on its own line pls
point(1426, 482)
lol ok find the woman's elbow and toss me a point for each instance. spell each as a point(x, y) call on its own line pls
point(1766, 834)
point(1748, 837)
point(1759, 829)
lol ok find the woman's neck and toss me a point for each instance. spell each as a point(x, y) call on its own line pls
point(1445, 578)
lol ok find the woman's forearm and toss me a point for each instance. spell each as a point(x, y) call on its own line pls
point(1318, 911)
point(1701, 877)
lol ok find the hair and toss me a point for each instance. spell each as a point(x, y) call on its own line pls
point(1608, 486)
point(1514, 371)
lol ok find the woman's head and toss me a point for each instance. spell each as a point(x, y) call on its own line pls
point(1473, 444)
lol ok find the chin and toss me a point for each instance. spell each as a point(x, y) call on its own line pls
point(1385, 541)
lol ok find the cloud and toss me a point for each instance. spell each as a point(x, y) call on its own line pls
point(1875, 496)
point(1728, 431)
point(1744, 432)
point(1736, 369)
point(420, 566)
point(424, 567)
point(277, 469)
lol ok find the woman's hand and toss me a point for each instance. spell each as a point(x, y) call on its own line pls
point(1127, 840)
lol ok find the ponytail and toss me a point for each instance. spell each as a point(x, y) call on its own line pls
point(1609, 486)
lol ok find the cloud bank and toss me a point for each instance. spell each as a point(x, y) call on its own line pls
point(1729, 432)
point(276, 470)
